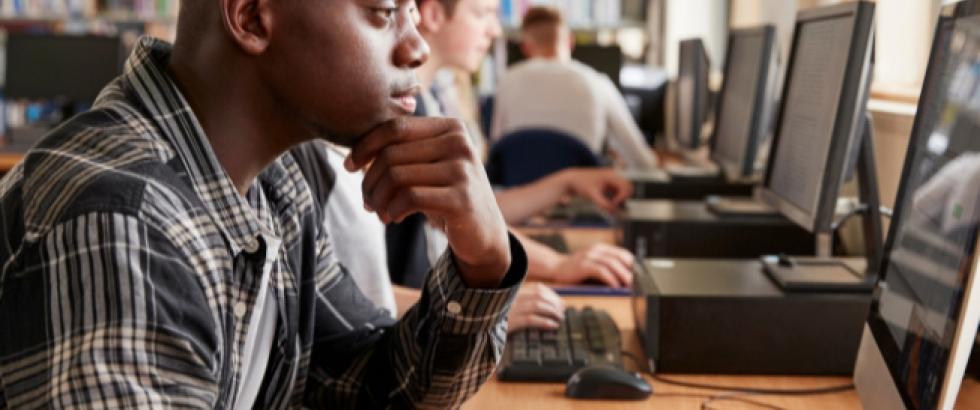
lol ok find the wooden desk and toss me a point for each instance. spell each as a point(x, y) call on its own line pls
point(8, 160)
point(513, 396)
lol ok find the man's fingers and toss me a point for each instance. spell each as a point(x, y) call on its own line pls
point(393, 179)
point(521, 321)
point(600, 272)
point(412, 152)
point(599, 199)
point(623, 273)
point(399, 130)
point(429, 200)
point(616, 260)
point(622, 190)
point(546, 309)
point(622, 255)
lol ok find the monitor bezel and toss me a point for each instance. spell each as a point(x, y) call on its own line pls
point(746, 164)
point(888, 349)
point(700, 93)
point(848, 119)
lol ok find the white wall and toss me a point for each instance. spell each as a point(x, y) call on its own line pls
point(904, 34)
point(780, 13)
point(707, 19)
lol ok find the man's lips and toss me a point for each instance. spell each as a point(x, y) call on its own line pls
point(405, 99)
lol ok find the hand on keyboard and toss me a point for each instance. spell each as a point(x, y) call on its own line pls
point(536, 306)
point(586, 337)
point(610, 265)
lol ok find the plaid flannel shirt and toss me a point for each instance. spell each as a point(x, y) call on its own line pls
point(131, 266)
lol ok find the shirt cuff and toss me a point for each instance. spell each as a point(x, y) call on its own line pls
point(464, 310)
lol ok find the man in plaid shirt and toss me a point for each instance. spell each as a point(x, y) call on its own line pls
point(161, 250)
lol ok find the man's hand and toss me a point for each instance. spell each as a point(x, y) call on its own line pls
point(608, 264)
point(427, 165)
point(605, 187)
point(536, 306)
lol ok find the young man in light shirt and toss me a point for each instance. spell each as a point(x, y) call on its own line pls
point(459, 34)
point(551, 90)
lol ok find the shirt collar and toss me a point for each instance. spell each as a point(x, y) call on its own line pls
point(146, 75)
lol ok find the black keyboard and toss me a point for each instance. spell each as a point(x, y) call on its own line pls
point(586, 337)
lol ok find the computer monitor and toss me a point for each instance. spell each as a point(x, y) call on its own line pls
point(821, 121)
point(926, 308)
point(607, 60)
point(746, 100)
point(60, 66)
point(691, 95)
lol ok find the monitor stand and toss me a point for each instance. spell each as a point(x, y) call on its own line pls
point(825, 273)
point(735, 207)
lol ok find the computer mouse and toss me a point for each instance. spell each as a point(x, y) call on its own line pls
point(607, 382)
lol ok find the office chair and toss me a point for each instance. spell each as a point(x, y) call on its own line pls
point(526, 155)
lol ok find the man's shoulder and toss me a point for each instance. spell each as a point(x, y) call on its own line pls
point(532, 69)
point(99, 161)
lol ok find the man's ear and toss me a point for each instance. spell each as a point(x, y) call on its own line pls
point(248, 22)
point(527, 48)
point(433, 15)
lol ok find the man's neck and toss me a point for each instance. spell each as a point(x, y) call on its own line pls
point(553, 56)
point(246, 130)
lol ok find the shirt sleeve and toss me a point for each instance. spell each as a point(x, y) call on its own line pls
point(625, 137)
point(437, 356)
point(108, 316)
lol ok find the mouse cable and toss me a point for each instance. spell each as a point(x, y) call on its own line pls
point(738, 397)
point(650, 369)
point(708, 398)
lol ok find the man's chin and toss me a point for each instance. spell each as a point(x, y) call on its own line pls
point(350, 138)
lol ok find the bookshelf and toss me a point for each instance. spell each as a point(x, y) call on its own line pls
point(127, 19)
point(581, 15)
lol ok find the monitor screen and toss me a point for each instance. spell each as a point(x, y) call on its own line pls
point(49, 66)
point(809, 110)
point(692, 93)
point(607, 60)
point(933, 240)
point(741, 105)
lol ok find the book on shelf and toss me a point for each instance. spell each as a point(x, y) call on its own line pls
point(579, 14)
point(89, 9)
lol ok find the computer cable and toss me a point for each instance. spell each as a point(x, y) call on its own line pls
point(706, 405)
point(709, 398)
point(651, 370)
point(858, 210)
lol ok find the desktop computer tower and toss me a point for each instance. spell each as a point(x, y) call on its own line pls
point(728, 317)
point(688, 229)
point(690, 189)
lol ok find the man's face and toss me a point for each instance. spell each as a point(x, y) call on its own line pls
point(464, 39)
point(344, 66)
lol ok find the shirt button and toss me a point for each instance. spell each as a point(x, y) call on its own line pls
point(252, 246)
point(454, 308)
point(240, 309)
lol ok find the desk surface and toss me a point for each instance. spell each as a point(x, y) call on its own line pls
point(539, 396)
point(8, 160)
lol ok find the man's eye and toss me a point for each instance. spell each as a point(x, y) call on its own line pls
point(386, 13)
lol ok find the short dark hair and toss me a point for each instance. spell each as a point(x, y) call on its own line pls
point(541, 23)
point(449, 5)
